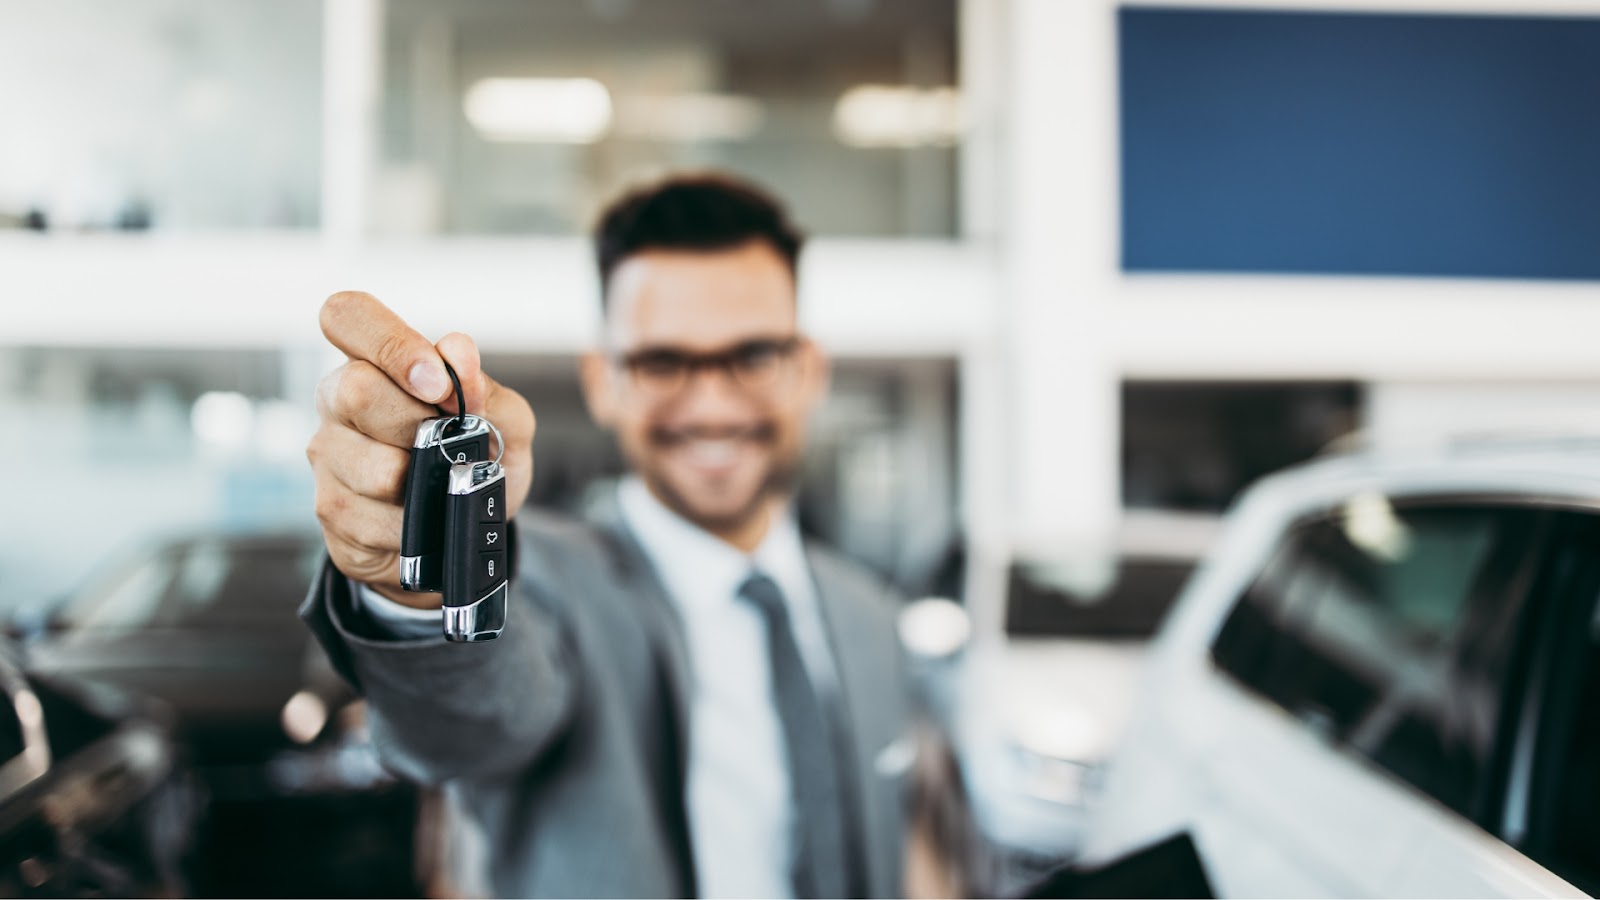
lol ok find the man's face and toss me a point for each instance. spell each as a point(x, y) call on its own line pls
point(705, 380)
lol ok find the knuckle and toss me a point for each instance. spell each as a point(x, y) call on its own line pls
point(358, 388)
point(393, 352)
point(385, 473)
point(365, 563)
point(328, 390)
point(330, 506)
point(356, 560)
point(394, 483)
point(511, 408)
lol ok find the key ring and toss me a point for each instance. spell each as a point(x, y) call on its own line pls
point(461, 417)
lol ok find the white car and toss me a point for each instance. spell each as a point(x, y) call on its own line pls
point(1383, 681)
point(1041, 695)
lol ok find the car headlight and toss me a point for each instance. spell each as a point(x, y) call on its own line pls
point(1047, 778)
point(1058, 753)
point(303, 717)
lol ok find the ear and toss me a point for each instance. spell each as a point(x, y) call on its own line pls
point(816, 373)
point(598, 377)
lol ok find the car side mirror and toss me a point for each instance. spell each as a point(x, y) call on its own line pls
point(934, 628)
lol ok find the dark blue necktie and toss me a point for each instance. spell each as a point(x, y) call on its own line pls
point(820, 853)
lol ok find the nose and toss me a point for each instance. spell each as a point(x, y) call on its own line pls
point(711, 393)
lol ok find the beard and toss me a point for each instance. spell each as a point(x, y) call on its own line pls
point(777, 477)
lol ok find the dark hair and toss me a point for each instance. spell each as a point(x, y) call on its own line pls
point(709, 211)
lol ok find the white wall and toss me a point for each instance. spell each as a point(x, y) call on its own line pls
point(1404, 414)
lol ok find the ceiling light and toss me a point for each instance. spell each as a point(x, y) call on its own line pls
point(539, 110)
point(878, 115)
point(690, 117)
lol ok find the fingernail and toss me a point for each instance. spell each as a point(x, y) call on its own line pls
point(429, 381)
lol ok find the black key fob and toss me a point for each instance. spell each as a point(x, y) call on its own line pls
point(440, 443)
point(476, 558)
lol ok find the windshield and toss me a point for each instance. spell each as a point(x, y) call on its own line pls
point(208, 583)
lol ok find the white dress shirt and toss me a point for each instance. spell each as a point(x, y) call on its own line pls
point(738, 801)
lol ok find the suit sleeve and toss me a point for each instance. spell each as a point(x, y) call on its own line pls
point(439, 710)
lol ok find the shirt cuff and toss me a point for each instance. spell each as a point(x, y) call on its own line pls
point(396, 620)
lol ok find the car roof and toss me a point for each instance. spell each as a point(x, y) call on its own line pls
point(1558, 470)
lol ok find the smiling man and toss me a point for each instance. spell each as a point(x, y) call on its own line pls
point(688, 698)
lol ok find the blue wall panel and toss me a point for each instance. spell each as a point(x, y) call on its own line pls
point(1360, 144)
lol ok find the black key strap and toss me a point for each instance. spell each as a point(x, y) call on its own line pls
point(461, 400)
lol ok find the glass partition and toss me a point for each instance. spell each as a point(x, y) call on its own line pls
point(160, 114)
point(511, 117)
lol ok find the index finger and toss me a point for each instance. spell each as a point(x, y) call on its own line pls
point(365, 329)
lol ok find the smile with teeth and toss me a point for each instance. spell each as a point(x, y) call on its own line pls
point(713, 451)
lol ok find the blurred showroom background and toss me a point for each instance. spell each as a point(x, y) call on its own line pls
point(1082, 263)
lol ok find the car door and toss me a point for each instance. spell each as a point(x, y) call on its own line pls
point(1540, 834)
point(1349, 715)
point(1552, 810)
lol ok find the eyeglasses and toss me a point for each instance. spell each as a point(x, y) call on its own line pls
point(756, 366)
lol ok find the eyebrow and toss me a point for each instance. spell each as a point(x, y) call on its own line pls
point(713, 351)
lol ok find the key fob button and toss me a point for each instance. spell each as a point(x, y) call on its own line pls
point(469, 450)
point(491, 536)
point(492, 504)
point(491, 570)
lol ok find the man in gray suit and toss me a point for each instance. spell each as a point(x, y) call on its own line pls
point(688, 699)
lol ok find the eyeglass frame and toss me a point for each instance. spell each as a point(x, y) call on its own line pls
point(726, 360)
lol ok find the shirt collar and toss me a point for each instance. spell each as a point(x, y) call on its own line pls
point(697, 566)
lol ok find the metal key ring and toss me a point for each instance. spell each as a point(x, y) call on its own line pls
point(498, 437)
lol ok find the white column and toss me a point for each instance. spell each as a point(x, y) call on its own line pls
point(985, 395)
point(1060, 267)
point(352, 67)
point(983, 73)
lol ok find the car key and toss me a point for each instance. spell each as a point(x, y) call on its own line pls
point(440, 443)
point(476, 558)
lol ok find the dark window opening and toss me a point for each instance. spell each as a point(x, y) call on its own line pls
point(1196, 445)
point(1131, 604)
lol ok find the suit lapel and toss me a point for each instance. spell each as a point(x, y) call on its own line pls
point(667, 628)
point(855, 635)
point(672, 651)
point(856, 640)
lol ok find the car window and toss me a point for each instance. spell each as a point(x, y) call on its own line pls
point(129, 600)
point(1577, 829)
point(1566, 832)
point(238, 585)
point(1375, 626)
point(217, 583)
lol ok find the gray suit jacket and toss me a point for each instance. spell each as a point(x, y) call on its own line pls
point(565, 739)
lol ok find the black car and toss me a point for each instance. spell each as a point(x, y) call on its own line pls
point(92, 802)
point(297, 804)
